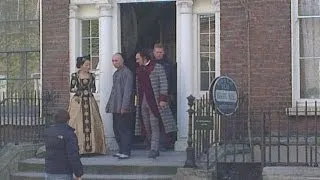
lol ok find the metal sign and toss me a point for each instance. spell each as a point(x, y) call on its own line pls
point(224, 95)
point(203, 122)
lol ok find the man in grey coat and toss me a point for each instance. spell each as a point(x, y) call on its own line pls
point(121, 105)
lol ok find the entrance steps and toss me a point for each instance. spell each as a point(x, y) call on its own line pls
point(138, 167)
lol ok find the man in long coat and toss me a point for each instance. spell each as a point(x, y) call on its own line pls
point(152, 101)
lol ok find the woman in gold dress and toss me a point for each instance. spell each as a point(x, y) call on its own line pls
point(84, 112)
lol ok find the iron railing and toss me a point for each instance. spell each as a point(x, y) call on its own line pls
point(272, 136)
point(24, 116)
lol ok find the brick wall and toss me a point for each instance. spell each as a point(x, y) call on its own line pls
point(268, 71)
point(55, 41)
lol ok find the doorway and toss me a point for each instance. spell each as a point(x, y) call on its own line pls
point(142, 26)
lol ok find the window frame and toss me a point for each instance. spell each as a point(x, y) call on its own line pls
point(81, 40)
point(217, 69)
point(295, 51)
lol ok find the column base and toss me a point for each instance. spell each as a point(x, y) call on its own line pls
point(181, 144)
point(111, 144)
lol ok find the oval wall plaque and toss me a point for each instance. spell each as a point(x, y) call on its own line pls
point(224, 95)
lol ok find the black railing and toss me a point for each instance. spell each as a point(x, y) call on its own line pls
point(290, 137)
point(276, 135)
point(23, 117)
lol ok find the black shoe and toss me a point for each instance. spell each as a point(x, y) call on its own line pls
point(123, 156)
point(153, 154)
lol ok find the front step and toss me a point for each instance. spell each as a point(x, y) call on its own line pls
point(108, 167)
point(40, 176)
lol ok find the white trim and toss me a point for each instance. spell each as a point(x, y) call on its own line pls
point(295, 75)
point(217, 69)
point(196, 56)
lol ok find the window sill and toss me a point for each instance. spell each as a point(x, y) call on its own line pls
point(303, 111)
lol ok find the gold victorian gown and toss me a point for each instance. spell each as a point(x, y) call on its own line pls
point(85, 116)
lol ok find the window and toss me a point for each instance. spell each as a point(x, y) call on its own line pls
point(90, 41)
point(19, 45)
point(207, 50)
point(306, 49)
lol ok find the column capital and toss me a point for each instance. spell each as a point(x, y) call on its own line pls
point(185, 6)
point(104, 9)
point(73, 10)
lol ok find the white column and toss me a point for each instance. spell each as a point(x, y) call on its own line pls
point(74, 37)
point(185, 69)
point(106, 69)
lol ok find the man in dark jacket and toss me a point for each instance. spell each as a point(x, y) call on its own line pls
point(62, 151)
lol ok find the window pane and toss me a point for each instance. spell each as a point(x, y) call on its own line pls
point(32, 9)
point(204, 62)
point(86, 46)
point(15, 36)
point(94, 28)
point(32, 35)
point(16, 65)
point(3, 64)
point(204, 24)
point(13, 10)
point(212, 62)
point(95, 61)
point(2, 37)
point(33, 64)
point(212, 42)
point(204, 81)
point(309, 7)
point(85, 28)
point(95, 46)
point(212, 24)
point(309, 78)
point(310, 37)
point(204, 42)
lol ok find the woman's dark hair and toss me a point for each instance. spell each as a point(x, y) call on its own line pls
point(145, 53)
point(81, 60)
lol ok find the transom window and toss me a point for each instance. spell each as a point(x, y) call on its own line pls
point(90, 41)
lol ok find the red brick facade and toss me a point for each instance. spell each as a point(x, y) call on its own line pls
point(267, 70)
point(263, 70)
point(55, 48)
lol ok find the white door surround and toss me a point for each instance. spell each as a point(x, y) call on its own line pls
point(110, 42)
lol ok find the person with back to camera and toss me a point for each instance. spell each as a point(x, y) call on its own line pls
point(84, 111)
point(62, 152)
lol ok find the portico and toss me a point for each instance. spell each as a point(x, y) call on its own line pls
point(107, 12)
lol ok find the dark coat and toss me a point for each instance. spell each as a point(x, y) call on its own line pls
point(62, 151)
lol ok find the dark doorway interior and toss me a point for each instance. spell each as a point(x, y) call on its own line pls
point(143, 25)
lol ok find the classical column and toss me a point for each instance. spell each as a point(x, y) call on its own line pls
point(106, 69)
point(74, 38)
point(185, 69)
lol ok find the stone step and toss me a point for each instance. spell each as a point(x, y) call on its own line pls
point(166, 164)
point(40, 176)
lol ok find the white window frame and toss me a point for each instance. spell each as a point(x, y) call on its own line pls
point(196, 19)
point(81, 39)
point(295, 37)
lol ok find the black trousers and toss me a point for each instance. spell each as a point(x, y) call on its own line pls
point(123, 128)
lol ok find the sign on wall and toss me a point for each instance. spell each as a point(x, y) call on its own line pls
point(224, 95)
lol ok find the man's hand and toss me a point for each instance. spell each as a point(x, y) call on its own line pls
point(78, 178)
point(162, 104)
